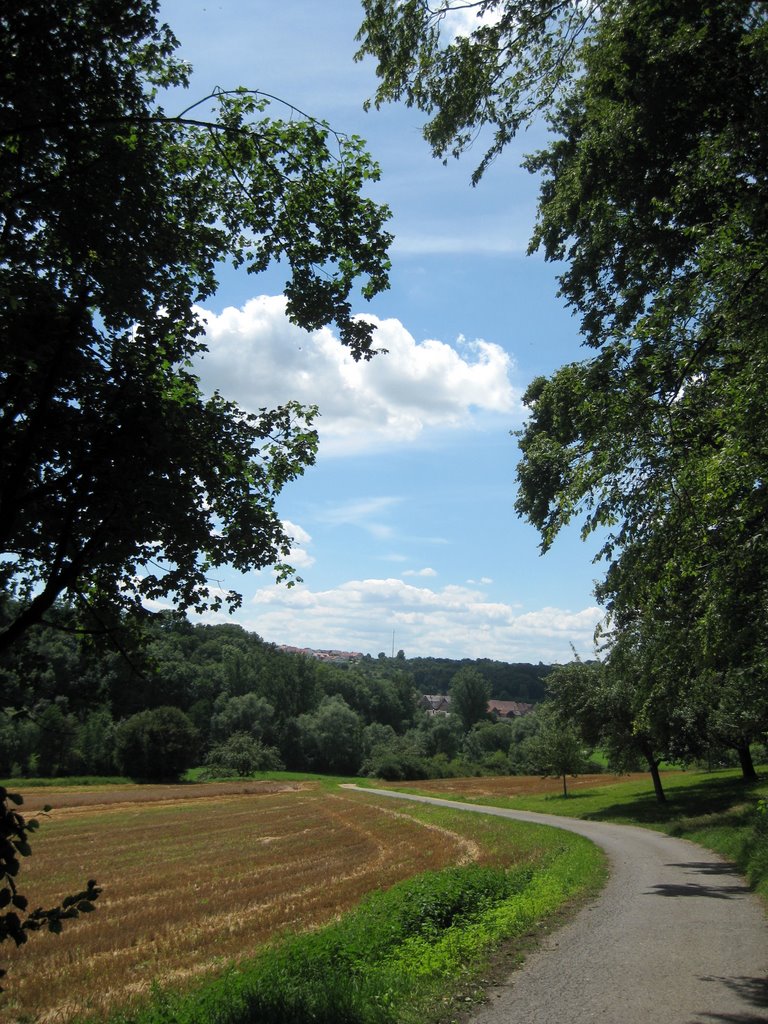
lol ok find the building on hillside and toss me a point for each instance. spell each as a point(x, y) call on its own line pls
point(509, 708)
point(440, 704)
point(436, 703)
point(339, 657)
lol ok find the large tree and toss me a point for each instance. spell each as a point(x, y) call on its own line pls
point(121, 480)
point(653, 197)
point(470, 692)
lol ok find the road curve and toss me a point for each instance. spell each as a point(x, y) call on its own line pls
point(675, 937)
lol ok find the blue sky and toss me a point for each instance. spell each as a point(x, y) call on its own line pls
point(406, 523)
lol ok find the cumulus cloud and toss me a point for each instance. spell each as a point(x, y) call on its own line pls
point(420, 572)
point(258, 358)
point(299, 557)
point(452, 621)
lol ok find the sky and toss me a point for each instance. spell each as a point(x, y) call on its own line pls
point(405, 534)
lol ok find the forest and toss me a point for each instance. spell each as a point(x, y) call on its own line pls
point(152, 704)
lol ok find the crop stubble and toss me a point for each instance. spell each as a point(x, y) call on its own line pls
point(195, 877)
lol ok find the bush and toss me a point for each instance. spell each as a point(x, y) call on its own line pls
point(242, 755)
point(159, 744)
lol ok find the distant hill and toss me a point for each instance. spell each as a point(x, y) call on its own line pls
point(509, 681)
point(516, 681)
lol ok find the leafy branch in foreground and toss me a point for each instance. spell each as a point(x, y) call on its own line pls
point(16, 923)
point(123, 482)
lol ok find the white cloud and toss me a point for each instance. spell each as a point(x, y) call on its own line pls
point(420, 572)
point(452, 621)
point(299, 557)
point(365, 513)
point(484, 581)
point(258, 358)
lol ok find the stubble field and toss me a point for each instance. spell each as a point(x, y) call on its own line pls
point(196, 876)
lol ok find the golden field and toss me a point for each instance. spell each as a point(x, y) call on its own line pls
point(196, 876)
point(513, 785)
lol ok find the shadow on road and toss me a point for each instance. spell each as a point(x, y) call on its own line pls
point(707, 867)
point(713, 892)
point(733, 890)
point(752, 990)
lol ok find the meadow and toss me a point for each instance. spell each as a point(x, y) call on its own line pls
point(199, 878)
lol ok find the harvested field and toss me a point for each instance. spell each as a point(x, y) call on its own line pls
point(195, 877)
point(514, 785)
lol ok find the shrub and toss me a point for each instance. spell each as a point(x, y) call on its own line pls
point(157, 744)
point(242, 755)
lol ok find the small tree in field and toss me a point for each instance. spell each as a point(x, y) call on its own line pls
point(556, 750)
point(242, 754)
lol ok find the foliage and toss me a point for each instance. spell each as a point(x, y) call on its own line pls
point(122, 482)
point(332, 736)
point(605, 702)
point(15, 831)
point(557, 749)
point(470, 694)
point(496, 76)
point(157, 744)
point(652, 201)
point(509, 681)
point(241, 754)
point(227, 680)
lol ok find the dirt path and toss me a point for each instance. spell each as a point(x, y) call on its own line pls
point(675, 937)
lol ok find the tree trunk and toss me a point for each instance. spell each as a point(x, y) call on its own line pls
point(565, 785)
point(653, 768)
point(745, 760)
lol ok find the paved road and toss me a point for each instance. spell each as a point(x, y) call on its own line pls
point(675, 937)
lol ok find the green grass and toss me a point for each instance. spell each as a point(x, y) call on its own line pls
point(718, 810)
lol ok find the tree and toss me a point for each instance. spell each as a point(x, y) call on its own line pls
point(332, 737)
point(653, 197)
point(248, 714)
point(159, 744)
point(122, 482)
point(470, 693)
point(242, 754)
point(612, 709)
point(556, 749)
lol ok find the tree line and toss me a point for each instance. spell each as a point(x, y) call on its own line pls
point(174, 695)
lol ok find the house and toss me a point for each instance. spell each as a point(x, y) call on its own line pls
point(508, 708)
point(436, 703)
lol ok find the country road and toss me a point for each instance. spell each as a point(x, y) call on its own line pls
point(675, 937)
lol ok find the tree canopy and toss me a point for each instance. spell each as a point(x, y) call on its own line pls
point(653, 203)
point(122, 481)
